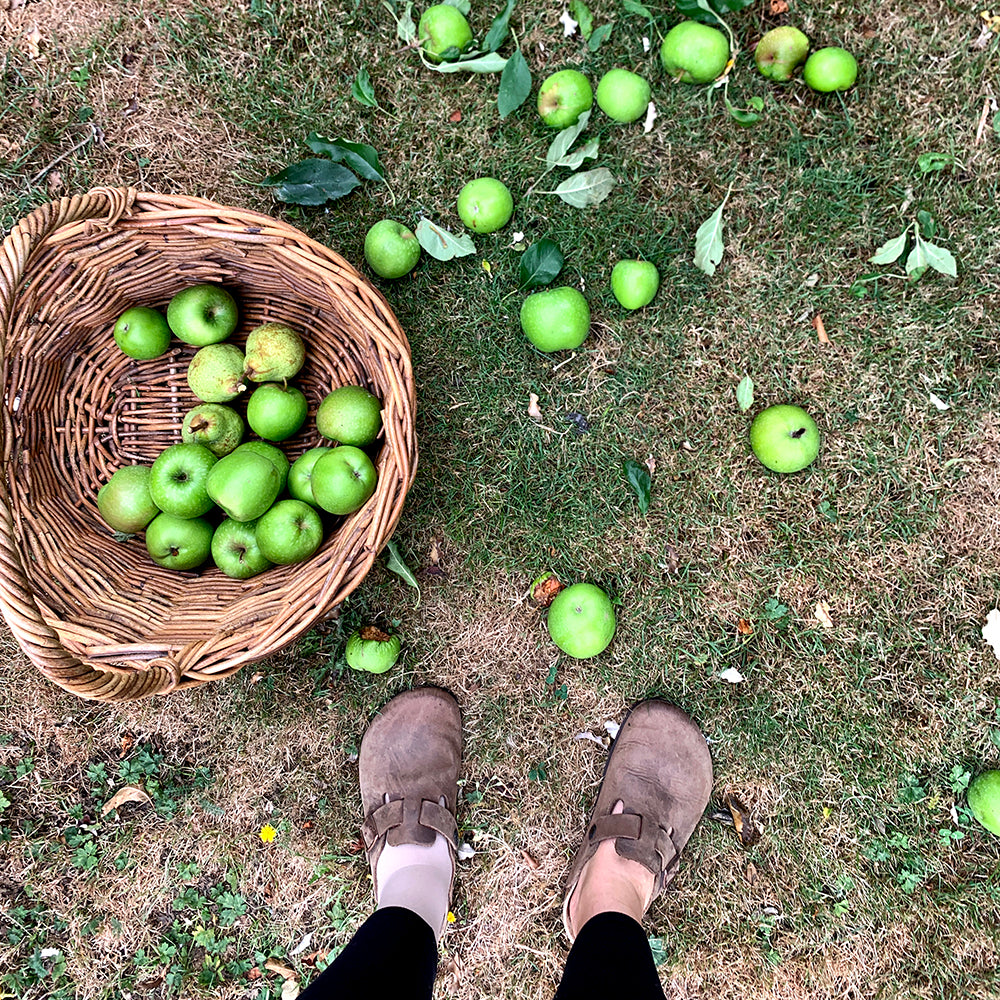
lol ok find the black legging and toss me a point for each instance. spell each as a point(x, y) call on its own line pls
point(393, 955)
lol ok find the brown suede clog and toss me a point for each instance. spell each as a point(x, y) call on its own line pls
point(408, 765)
point(660, 769)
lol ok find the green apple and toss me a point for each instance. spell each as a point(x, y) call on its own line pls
point(634, 282)
point(391, 249)
point(623, 95)
point(290, 532)
point(343, 480)
point(372, 650)
point(557, 319)
point(215, 373)
point(244, 484)
point(276, 411)
point(274, 353)
point(273, 454)
point(442, 27)
point(202, 314)
point(485, 205)
point(179, 542)
point(694, 53)
point(178, 480)
point(300, 474)
point(235, 550)
point(581, 620)
point(563, 97)
point(125, 501)
point(785, 438)
point(142, 333)
point(780, 52)
point(350, 415)
point(984, 800)
point(219, 428)
point(830, 69)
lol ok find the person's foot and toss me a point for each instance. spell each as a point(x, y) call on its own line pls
point(655, 788)
point(408, 766)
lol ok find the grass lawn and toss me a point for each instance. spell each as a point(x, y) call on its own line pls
point(851, 745)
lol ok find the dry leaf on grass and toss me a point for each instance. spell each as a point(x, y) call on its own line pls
point(33, 42)
point(455, 116)
point(282, 970)
point(991, 631)
point(820, 329)
point(301, 946)
point(533, 411)
point(744, 627)
point(744, 825)
point(128, 793)
point(290, 990)
point(778, 7)
point(544, 589)
point(823, 614)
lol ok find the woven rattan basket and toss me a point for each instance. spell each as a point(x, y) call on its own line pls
point(96, 615)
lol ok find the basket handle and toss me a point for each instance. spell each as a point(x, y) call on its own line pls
point(41, 643)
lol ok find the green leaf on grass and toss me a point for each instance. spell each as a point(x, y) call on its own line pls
point(740, 116)
point(362, 159)
point(930, 163)
point(515, 84)
point(540, 264)
point(757, 103)
point(890, 251)
point(462, 6)
point(441, 244)
point(311, 182)
point(640, 480)
point(498, 29)
point(396, 564)
point(488, 63)
point(916, 261)
point(744, 393)
point(699, 10)
point(708, 245)
point(632, 7)
point(940, 259)
point(562, 143)
point(406, 30)
point(574, 160)
point(996, 123)
point(599, 36)
point(589, 188)
point(928, 227)
point(580, 13)
point(362, 90)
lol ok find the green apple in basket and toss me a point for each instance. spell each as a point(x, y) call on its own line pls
point(343, 480)
point(300, 474)
point(350, 415)
point(273, 454)
point(235, 550)
point(178, 480)
point(244, 484)
point(290, 532)
point(202, 314)
point(125, 501)
point(179, 542)
point(142, 333)
point(276, 412)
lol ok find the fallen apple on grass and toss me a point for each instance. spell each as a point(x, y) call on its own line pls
point(693, 52)
point(634, 283)
point(780, 52)
point(391, 249)
point(785, 438)
point(984, 800)
point(485, 205)
point(830, 69)
point(563, 97)
point(372, 650)
point(581, 620)
point(623, 95)
point(557, 319)
point(442, 27)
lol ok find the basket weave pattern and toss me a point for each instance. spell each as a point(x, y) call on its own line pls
point(96, 615)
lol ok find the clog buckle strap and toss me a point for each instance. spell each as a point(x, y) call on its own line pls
point(651, 843)
point(409, 813)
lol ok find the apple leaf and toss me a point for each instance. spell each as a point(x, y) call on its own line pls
point(599, 36)
point(561, 144)
point(740, 116)
point(708, 245)
point(890, 251)
point(540, 264)
point(584, 19)
point(940, 259)
point(362, 90)
point(515, 84)
point(462, 6)
point(575, 159)
point(441, 244)
point(930, 163)
point(362, 159)
point(589, 188)
point(397, 565)
point(744, 393)
point(701, 12)
point(488, 63)
point(916, 261)
point(640, 480)
point(498, 29)
point(406, 30)
point(928, 227)
point(311, 182)
point(632, 7)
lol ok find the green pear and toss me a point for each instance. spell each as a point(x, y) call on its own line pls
point(275, 352)
point(780, 51)
point(243, 484)
point(218, 428)
point(215, 374)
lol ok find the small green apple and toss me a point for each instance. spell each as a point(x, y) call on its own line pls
point(178, 480)
point(780, 52)
point(485, 205)
point(581, 620)
point(623, 95)
point(290, 532)
point(557, 319)
point(984, 800)
point(235, 550)
point(830, 69)
point(634, 282)
point(693, 52)
point(300, 474)
point(219, 428)
point(372, 650)
point(125, 501)
point(276, 412)
point(391, 249)
point(179, 542)
point(142, 333)
point(350, 415)
point(343, 480)
point(202, 314)
point(273, 454)
point(785, 438)
point(563, 97)
point(442, 27)
point(244, 484)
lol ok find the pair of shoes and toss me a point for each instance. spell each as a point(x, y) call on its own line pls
point(659, 768)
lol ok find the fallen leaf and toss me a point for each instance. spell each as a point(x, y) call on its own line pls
point(533, 411)
point(569, 25)
point(289, 990)
point(455, 116)
point(128, 793)
point(54, 182)
point(742, 821)
point(744, 627)
point(751, 872)
point(33, 42)
point(312, 958)
point(820, 329)
point(531, 862)
point(254, 974)
point(455, 968)
point(127, 743)
point(991, 631)
point(545, 588)
point(778, 7)
point(938, 401)
point(731, 675)
point(651, 116)
point(434, 556)
point(651, 465)
point(611, 728)
point(282, 970)
point(301, 946)
point(823, 614)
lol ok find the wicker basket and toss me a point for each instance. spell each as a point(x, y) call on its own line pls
point(96, 615)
